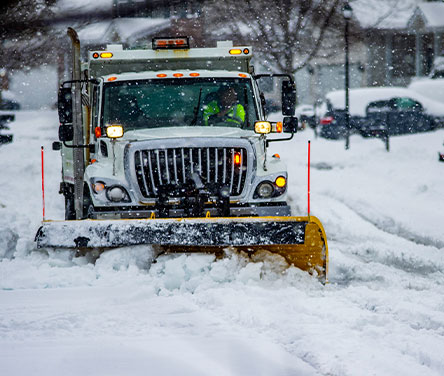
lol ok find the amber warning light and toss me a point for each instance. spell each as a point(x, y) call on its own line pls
point(237, 159)
point(182, 43)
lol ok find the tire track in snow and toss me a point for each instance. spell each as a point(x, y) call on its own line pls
point(372, 242)
point(390, 226)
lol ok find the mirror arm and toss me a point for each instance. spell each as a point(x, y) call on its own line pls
point(279, 139)
point(259, 76)
point(91, 147)
point(92, 81)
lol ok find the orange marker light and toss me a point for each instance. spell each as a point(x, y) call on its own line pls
point(235, 51)
point(177, 75)
point(281, 182)
point(237, 159)
point(106, 55)
point(113, 78)
point(95, 55)
point(161, 75)
point(279, 127)
point(243, 75)
point(98, 132)
point(276, 156)
point(98, 186)
point(246, 51)
point(194, 74)
point(93, 161)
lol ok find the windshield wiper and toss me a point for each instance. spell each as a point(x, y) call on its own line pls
point(196, 109)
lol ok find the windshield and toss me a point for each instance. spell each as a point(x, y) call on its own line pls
point(179, 102)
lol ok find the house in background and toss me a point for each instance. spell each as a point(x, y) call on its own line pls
point(386, 48)
point(390, 52)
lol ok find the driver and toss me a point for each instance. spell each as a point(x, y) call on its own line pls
point(225, 108)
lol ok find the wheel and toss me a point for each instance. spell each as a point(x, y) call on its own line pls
point(70, 212)
point(88, 208)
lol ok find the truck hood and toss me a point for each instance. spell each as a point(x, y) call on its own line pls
point(179, 132)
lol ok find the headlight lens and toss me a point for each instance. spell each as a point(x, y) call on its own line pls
point(98, 186)
point(265, 190)
point(262, 127)
point(116, 194)
point(114, 131)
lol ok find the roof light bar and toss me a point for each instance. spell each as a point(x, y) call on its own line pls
point(181, 43)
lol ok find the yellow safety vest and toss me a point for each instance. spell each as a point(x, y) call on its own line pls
point(235, 115)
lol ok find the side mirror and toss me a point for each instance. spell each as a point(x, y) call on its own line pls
point(288, 98)
point(65, 105)
point(263, 102)
point(290, 124)
point(66, 132)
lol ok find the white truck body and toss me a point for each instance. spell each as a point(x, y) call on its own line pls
point(153, 166)
point(174, 143)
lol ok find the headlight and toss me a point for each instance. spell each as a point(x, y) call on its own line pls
point(262, 127)
point(116, 194)
point(114, 131)
point(265, 190)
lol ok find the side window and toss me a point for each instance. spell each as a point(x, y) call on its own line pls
point(95, 107)
point(407, 104)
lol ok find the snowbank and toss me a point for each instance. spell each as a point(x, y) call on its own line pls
point(430, 88)
point(119, 313)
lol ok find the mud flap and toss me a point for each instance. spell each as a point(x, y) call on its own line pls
point(300, 240)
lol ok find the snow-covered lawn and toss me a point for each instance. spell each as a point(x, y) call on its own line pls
point(381, 314)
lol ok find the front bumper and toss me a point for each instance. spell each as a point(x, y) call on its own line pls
point(280, 209)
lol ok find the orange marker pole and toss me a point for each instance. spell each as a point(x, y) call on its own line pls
point(308, 183)
point(43, 183)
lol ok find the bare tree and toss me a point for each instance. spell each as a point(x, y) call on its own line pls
point(287, 33)
point(27, 45)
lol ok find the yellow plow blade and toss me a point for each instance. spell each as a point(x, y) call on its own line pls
point(300, 240)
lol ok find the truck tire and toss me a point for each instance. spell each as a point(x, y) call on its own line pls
point(88, 208)
point(70, 212)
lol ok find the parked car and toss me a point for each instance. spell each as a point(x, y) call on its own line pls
point(399, 115)
point(432, 88)
point(437, 70)
point(8, 101)
point(410, 112)
point(4, 119)
point(306, 116)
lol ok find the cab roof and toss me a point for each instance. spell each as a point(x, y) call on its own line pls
point(116, 60)
point(175, 74)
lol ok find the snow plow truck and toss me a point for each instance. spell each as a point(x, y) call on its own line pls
point(152, 154)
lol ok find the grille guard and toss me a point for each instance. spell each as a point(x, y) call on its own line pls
point(136, 149)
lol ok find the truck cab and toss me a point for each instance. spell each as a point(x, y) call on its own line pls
point(160, 142)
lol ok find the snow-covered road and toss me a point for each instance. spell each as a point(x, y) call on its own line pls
point(381, 314)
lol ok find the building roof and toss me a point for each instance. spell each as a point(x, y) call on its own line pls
point(428, 16)
point(384, 14)
point(122, 30)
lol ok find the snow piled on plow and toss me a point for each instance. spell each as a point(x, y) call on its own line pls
point(120, 312)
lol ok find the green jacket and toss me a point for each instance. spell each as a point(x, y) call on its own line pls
point(235, 115)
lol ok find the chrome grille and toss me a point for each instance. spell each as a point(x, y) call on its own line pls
point(173, 168)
